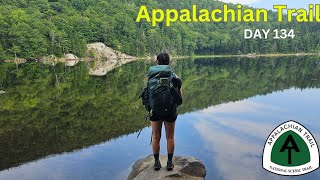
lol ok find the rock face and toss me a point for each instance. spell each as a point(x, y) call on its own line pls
point(184, 168)
point(106, 59)
point(101, 52)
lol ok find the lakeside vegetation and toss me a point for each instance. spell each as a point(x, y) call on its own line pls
point(34, 28)
point(254, 55)
point(54, 109)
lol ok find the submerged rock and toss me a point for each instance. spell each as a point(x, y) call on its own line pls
point(184, 168)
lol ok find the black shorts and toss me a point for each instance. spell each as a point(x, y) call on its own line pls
point(171, 118)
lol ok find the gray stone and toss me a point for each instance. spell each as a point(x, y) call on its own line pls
point(101, 51)
point(71, 60)
point(106, 59)
point(2, 92)
point(184, 168)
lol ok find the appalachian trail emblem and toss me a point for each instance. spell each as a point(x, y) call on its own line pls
point(290, 150)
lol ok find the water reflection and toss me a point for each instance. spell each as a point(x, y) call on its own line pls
point(228, 138)
point(236, 132)
point(51, 110)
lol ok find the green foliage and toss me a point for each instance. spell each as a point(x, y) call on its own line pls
point(59, 109)
point(30, 29)
point(53, 109)
point(208, 82)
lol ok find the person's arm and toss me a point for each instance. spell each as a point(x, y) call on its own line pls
point(177, 82)
point(179, 85)
point(180, 92)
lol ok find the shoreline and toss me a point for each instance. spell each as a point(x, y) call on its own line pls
point(240, 55)
point(253, 55)
point(249, 55)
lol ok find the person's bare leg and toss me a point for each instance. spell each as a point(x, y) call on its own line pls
point(170, 142)
point(170, 136)
point(156, 136)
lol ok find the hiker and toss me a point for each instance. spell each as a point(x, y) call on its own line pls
point(162, 97)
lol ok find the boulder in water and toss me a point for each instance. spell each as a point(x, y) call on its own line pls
point(71, 60)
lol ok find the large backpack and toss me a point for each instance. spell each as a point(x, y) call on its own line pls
point(158, 97)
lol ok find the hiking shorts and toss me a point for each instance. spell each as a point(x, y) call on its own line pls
point(171, 118)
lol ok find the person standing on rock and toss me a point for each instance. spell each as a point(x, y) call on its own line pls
point(161, 98)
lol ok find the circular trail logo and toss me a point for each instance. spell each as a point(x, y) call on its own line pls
point(290, 150)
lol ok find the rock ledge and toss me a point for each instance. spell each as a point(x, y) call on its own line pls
point(185, 168)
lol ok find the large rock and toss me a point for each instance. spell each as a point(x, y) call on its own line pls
point(184, 168)
point(71, 60)
point(106, 59)
point(102, 52)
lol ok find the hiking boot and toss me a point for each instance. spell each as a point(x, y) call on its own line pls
point(157, 165)
point(170, 166)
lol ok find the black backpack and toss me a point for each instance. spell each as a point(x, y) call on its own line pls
point(160, 96)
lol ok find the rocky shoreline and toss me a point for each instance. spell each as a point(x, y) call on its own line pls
point(105, 58)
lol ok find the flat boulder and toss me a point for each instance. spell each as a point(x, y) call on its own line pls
point(184, 168)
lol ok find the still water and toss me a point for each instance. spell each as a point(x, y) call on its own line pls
point(60, 123)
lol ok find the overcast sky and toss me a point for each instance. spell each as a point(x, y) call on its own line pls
point(268, 4)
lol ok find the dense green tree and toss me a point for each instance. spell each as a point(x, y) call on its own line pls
point(45, 27)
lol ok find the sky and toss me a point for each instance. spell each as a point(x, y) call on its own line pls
point(268, 4)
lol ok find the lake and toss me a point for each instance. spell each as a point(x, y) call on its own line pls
point(58, 122)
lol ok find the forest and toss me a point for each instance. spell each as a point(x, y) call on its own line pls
point(32, 29)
